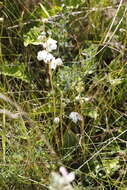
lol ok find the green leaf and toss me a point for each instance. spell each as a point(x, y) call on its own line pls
point(32, 36)
point(44, 10)
point(16, 71)
point(70, 139)
point(91, 112)
point(114, 81)
point(55, 10)
point(111, 165)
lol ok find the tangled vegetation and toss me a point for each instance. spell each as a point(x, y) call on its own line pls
point(63, 93)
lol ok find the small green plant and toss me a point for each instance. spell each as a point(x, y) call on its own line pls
point(63, 94)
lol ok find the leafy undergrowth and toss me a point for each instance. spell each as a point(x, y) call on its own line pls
point(70, 110)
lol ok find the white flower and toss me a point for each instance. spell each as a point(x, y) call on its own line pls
point(55, 62)
point(63, 181)
point(45, 56)
point(56, 120)
point(86, 98)
point(75, 117)
point(42, 36)
point(1, 19)
point(50, 45)
point(43, 33)
point(68, 177)
point(77, 98)
point(59, 61)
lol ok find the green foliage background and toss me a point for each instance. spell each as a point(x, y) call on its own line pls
point(92, 42)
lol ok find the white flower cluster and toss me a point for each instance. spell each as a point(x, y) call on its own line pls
point(62, 182)
point(45, 55)
point(75, 117)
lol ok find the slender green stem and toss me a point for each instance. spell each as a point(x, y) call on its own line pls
point(52, 87)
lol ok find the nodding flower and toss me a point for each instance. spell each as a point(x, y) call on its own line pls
point(45, 54)
point(69, 177)
point(50, 45)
